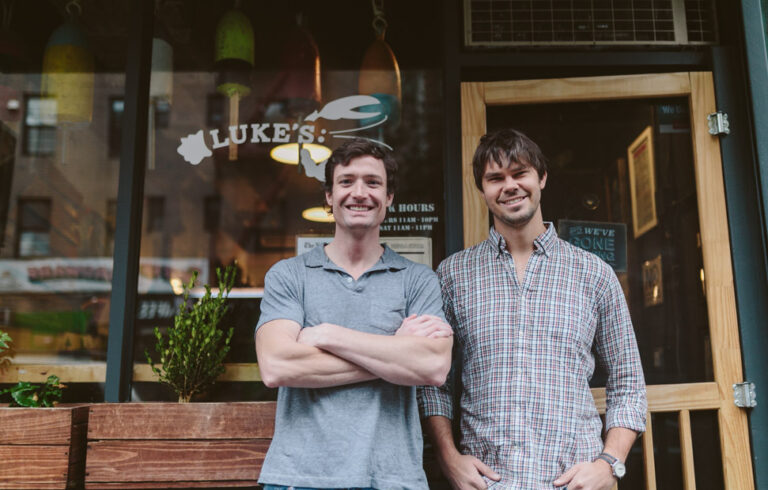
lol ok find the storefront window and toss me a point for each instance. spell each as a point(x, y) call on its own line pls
point(256, 97)
point(60, 66)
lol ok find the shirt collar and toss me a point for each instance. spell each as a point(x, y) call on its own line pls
point(389, 260)
point(543, 243)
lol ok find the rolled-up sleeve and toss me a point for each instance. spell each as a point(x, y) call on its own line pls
point(626, 403)
point(438, 400)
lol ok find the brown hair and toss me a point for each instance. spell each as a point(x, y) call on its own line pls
point(359, 147)
point(506, 146)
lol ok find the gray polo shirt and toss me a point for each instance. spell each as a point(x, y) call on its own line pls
point(360, 435)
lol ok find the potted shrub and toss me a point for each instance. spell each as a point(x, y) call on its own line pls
point(42, 444)
point(165, 445)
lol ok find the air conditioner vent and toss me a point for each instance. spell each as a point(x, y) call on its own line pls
point(578, 22)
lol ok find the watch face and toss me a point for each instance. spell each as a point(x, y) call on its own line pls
point(619, 470)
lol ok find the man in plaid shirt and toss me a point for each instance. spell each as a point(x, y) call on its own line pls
point(527, 309)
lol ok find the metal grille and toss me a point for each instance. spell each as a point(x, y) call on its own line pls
point(700, 20)
point(569, 22)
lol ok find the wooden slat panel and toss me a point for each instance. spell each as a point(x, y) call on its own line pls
point(144, 461)
point(586, 88)
point(686, 450)
point(38, 425)
point(92, 372)
point(182, 484)
point(34, 464)
point(95, 372)
point(234, 372)
point(240, 420)
point(721, 300)
point(472, 128)
point(37, 485)
point(649, 458)
point(671, 398)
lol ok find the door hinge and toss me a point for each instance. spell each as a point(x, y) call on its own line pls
point(744, 395)
point(718, 123)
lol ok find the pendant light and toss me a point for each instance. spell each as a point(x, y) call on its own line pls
point(67, 75)
point(380, 72)
point(234, 60)
point(296, 92)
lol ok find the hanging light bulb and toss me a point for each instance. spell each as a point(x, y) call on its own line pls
point(67, 75)
point(380, 72)
point(234, 60)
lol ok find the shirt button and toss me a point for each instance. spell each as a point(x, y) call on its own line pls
point(349, 279)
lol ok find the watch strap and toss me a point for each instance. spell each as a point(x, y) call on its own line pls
point(607, 458)
point(613, 462)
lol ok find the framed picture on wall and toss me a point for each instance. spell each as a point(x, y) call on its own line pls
point(642, 182)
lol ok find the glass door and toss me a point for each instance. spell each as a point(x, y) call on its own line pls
point(636, 178)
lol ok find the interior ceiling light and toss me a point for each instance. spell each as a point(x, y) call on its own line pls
point(289, 152)
point(318, 215)
point(296, 91)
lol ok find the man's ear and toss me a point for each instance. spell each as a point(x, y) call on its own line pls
point(329, 199)
point(390, 198)
point(543, 181)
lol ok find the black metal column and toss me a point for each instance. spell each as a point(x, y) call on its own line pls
point(129, 204)
point(452, 161)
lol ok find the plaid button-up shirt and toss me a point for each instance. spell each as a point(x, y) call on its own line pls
point(526, 409)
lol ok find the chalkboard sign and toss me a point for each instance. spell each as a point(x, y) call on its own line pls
point(606, 240)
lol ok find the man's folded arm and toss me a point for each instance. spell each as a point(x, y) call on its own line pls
point(283, 361)
point(411, 360)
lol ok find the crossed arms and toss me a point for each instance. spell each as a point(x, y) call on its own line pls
point(332, 355)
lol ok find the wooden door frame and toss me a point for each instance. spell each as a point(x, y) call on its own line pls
point(716, 250)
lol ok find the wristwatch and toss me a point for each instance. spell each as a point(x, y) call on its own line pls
point(617, 467)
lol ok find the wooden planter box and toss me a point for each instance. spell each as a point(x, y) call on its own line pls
point(172, 445)
point(42, 447)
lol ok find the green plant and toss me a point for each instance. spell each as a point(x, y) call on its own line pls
point(25, 394)
point(5, 351)
point(192, 351)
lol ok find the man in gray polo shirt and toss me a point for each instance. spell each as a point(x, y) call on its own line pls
point(347, 331)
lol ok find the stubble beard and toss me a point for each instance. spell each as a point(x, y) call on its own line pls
point(518, 220)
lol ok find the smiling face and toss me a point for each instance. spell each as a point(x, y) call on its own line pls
point(359, 196)
point(513, 194)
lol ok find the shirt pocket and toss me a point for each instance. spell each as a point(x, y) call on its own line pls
point(385, 317)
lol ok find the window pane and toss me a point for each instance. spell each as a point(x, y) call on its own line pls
point(228, 197)
point(55, 185)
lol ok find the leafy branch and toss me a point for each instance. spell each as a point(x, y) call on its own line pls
point(25, 394)
point(6, 351)
point(192, 351)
